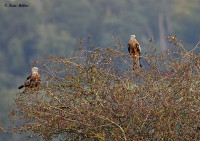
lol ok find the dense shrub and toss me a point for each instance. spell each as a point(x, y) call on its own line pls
point(96, 95)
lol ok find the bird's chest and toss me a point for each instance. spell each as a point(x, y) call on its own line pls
point(135, 50)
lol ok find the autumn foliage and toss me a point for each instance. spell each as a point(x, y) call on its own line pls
point(96, 95)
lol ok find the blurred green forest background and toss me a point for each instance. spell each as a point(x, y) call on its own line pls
point(54, 27)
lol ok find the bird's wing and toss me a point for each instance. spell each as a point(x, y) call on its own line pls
point(28, 77)
point(129, 47)
point(27, 83)
point(32, 81)
point(138, 47)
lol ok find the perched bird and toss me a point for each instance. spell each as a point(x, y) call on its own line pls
point(33, 81)
point(135, 51)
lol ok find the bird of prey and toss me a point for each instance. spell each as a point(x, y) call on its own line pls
point(33, 81)
point(135, 51)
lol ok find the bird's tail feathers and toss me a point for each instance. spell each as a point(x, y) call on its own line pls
point(20, 86)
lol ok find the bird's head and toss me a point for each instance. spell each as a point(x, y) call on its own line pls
point(132, 37)
point(34, 70)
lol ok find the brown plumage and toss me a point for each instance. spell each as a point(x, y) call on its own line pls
point(135, 51)
point(33, 81)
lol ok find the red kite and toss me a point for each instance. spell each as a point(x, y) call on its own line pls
point(135, 51)
point(33, 81)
